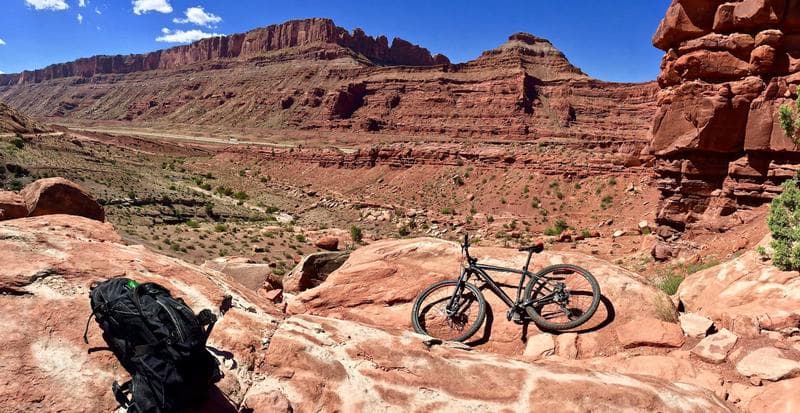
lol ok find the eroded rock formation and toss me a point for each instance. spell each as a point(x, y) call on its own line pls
point(727, 69)
point(271, 363)
point(12, 121)
point(310, 75)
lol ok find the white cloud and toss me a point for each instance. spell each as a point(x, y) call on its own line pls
point(2, 42)
point(144, 6)
point(81, 3)
point(180, 36)
point(197, 15)
point(47, 4)
point(96, 10)
point(80, 18)
point(2, 72)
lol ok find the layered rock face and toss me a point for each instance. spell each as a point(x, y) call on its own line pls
point(12, 121)
point(294, 33)
point(728, 68)
point(310, 75)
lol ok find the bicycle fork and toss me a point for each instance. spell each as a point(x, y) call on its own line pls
point(453, 306)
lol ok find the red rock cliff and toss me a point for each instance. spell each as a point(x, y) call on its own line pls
point(728, 67)
point(290, 34)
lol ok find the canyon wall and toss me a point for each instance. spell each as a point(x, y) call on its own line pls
point(291, 34)
point(312, 76)
point(719, 146)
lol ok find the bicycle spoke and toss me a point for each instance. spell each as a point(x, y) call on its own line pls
point(438, 322)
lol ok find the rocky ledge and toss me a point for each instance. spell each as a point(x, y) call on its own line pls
point(727, 69)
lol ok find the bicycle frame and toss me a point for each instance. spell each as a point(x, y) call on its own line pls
point(480, 271)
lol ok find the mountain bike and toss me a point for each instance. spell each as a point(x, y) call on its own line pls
point(559, 297)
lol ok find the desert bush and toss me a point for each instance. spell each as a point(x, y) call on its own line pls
point(356, 234)
point(790, 119)
point(220, 228)
point(784, 223)
point(669, 282)
point(404, 231)
point(607, 202)
point(557, 228)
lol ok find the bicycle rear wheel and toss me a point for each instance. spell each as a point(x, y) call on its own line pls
point(430, 316)
point(563, 297)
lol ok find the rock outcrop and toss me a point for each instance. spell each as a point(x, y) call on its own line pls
point(378, 284)
point(50, 196)
point(745, 295)
point(59, 196)
point(310, 75)
point(49, 263)
point(271, 363)
point(12, 121)
point(323, 364)
point(727, 69)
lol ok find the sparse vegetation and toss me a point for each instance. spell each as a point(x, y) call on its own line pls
point(356, 234)
point(607, 202)
point(790, 118)
point(557, 228)
point(784, 223)
point(669, 282)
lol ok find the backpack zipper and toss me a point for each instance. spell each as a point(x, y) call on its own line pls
point(173, 318)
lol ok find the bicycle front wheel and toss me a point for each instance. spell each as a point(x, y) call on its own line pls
point(562, 297)
point(431, 317)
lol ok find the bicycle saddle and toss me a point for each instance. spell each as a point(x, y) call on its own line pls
point(535, 248)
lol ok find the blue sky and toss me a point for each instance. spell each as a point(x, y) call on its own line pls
point(608, 40)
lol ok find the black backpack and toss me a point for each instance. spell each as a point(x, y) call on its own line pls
point(159, 341)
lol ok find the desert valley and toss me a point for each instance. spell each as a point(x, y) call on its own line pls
point(306, 183)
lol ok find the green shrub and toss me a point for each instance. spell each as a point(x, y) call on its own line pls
point(220, 228)
point(404, 231)
point(447, 211)
point(790, 119)
point(356, 234)
point(669, 282)
point(607, 202)
point(784, 223)
point(18, 142)
point(557, 228)
point(300, 238)
point(241, 195)
point(192, 224)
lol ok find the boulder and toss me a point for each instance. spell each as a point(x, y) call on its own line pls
point(60, 196)
point(711, 66)
point(49, 264)
point(323, 364)
point(695, 325)
point(715, 348)
point(12, 206)
point(650, 332)
point(780, 397)
point(767, 363)
point(379, 282)
point(540, 346)
point(252, 275)
point(312, 270)
point(748, 15)
point(328, 243)
point(685, 19)
point(745, 295)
